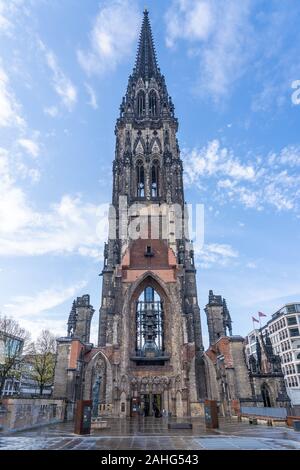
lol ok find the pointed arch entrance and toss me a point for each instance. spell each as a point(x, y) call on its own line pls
point(265, 392)
point(150, 317)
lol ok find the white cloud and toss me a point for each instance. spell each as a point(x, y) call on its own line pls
point(251, 265)
point(212, 160)
point(39, 311)
point(277, 65)
point(111, 39)
point(92, 96)
point(57, 325)
point(9, 107)
point(69, 226)
point(25, 172)
point(215, 253)
point(11, 117)
point(189, 20)
point(12, 166)
point(5, 24)
point(8, 11)
point(219, 33)
point(27, 306)
point(30, 146)
point(14, 209)
point(51, 111)
point(289, 156)
point(62, 85)
point(261, 292)
point(231, 39)
point(256, 183)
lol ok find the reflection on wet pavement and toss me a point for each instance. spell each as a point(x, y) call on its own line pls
point(153, 434)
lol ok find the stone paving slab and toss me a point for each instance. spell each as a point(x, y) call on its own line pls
point(147, 443)
point(153, 434)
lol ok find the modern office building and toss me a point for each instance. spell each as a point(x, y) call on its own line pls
point(10, 350)
point(284, 331)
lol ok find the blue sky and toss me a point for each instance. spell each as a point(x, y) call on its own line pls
point(229, 68)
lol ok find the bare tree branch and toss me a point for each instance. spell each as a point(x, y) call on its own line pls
point(42, 359)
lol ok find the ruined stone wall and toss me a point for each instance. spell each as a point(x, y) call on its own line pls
point(215, 322)
point(83, 323)
point(62, 364)
point(275, 386)
point(241, 374)
point(17, 414)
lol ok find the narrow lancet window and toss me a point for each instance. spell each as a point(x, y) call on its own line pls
point(155, 179)
point(141, 104)
point(153, 107)
point(140, 177)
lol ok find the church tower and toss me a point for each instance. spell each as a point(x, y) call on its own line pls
point(150, 359)
point(149, 328)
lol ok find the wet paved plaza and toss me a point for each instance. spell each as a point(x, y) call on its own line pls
point(153, 434)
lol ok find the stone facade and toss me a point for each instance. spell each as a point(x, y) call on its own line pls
point(147, 169)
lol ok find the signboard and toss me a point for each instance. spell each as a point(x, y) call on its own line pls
point(211, 414)
point(207, 411)
point(83, 417)
point(86, 419)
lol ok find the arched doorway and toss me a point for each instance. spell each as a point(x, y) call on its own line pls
point(266, 396)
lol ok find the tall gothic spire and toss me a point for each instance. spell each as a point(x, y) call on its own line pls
point(146, 64)
point(147, 97)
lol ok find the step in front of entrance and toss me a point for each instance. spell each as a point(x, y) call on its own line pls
point(180, 426)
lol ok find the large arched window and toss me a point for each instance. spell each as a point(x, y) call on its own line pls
point(149, 324)
point(153, 103)
point(140, 179)
point(141, 104)
point(155, 179)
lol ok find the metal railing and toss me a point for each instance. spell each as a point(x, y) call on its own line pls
point(267, 412)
